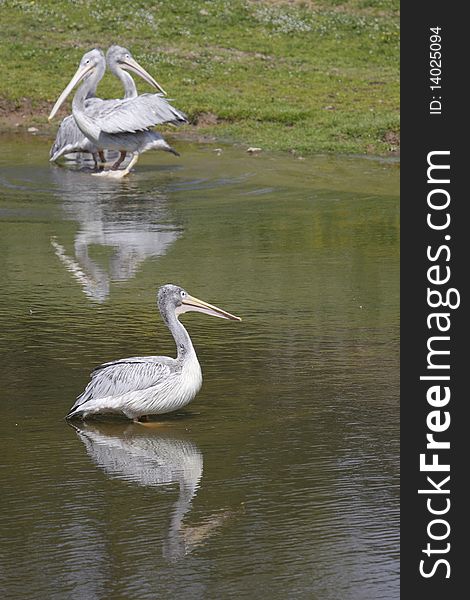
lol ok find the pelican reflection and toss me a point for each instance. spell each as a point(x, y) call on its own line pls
point(134, 225)
point(150, 458)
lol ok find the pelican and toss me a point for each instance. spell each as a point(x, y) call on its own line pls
point(118, 59)
point(69, 138)
point(150, 385)
point(123, 125)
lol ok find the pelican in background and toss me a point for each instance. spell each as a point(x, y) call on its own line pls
point(150, 385)
point(69, 138)
point(123, 125)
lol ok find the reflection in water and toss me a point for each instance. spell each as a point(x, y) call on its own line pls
point(135, 226)
point(151, 459)
point(301, 424)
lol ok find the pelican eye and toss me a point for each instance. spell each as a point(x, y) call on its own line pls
point(183, 294)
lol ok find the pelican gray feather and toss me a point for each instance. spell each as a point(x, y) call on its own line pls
point(70, 140)
point(137, 114)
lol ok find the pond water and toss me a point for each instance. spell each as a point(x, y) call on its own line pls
point(280, 480)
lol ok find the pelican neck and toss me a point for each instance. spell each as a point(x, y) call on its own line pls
point(184, 345)
point(88, 87)
point(130, 90)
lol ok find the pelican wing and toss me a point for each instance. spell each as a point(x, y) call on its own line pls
point(70, 139)
point(137, 114)
point(126, 375)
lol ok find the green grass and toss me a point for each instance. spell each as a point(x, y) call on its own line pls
point(292, 76)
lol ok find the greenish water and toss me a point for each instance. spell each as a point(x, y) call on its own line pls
point(280, 480)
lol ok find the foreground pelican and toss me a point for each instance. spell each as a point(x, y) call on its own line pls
point(69, 138)
point(150, 385)
point(125, 125)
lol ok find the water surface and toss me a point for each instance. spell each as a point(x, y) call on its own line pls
point(280, 480)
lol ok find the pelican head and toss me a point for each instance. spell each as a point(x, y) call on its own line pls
point(92, 62)
point(172, 298)
point(118, 56)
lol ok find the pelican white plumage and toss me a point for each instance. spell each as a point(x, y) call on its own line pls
point(150, 385)
point(123, 125)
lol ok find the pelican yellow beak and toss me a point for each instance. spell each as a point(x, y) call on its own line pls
point(79, 75)
point(132, 65)
point(190, 303)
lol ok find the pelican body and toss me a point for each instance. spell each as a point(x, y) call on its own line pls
point(125, 124)
point(69, 138)
point(151, 385)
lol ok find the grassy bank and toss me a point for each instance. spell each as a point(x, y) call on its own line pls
point(284, 75)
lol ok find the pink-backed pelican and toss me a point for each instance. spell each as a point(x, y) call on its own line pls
point(69, 138)
point(123, 125)
point(150, 385)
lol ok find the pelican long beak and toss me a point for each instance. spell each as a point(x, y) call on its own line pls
point(133, 65)
point(190, 303)
point(79, 75)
